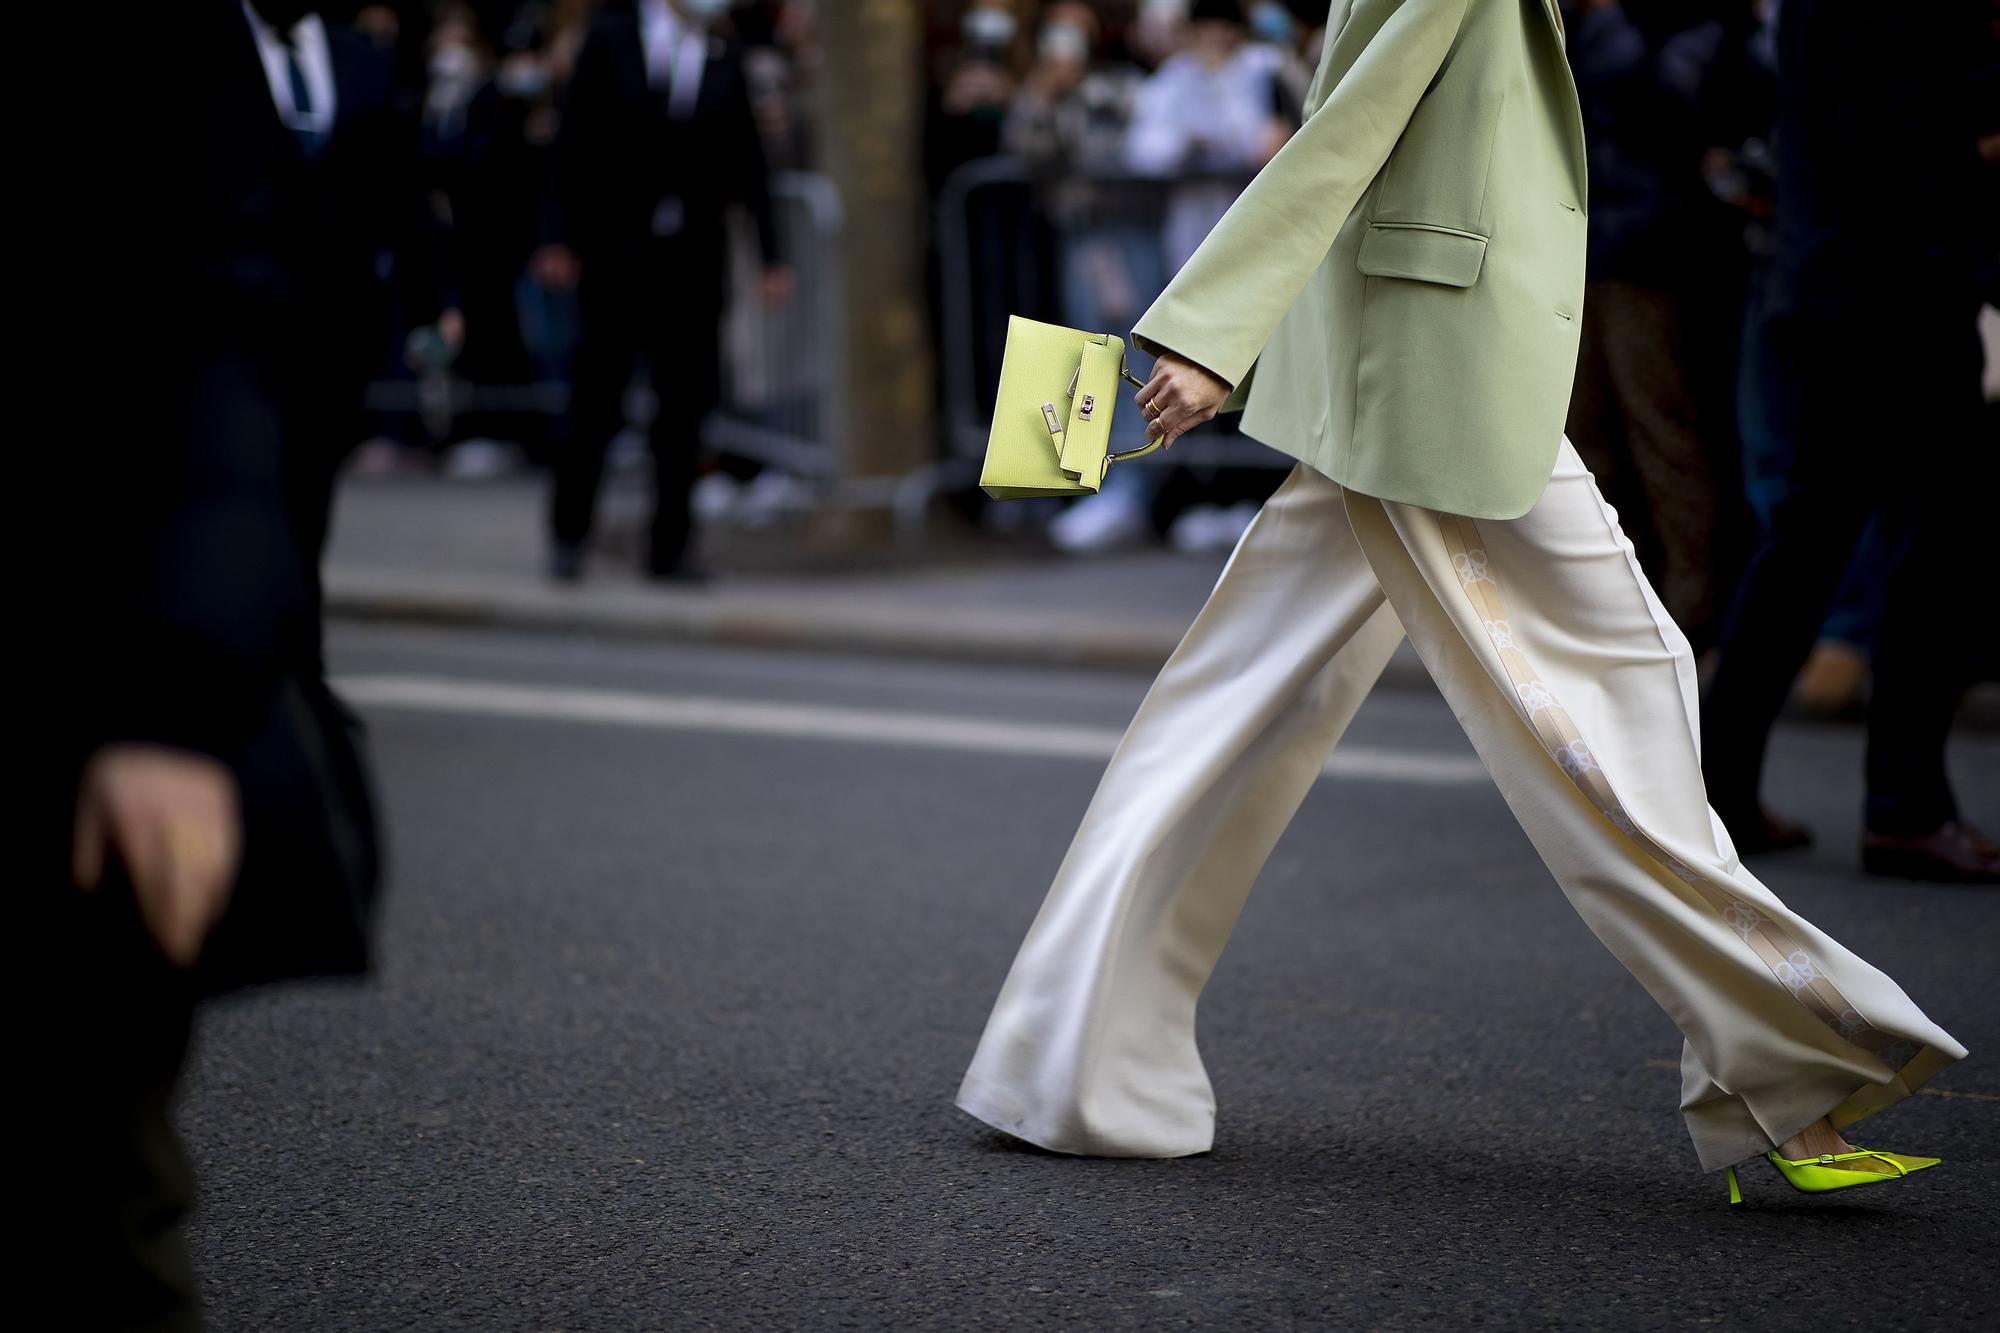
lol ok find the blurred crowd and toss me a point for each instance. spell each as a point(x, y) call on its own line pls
point(488, 82)
point(1132, 124)
point(1680, 408)
point(1198, 92)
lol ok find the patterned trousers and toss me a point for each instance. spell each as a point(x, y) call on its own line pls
point(1577, 691)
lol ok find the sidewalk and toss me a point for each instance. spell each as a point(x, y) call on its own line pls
point(429, 551)
point(471, 553)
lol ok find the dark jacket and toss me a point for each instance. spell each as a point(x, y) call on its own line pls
point(1650, 218)
point(618, 153)
point(1879, 205)
point(194, 493)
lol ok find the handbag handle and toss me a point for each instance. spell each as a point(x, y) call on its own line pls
point(1125, 373)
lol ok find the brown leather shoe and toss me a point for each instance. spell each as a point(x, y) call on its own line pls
point(1954, 853)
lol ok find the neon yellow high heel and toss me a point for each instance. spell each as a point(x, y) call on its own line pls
point(1817, 1175)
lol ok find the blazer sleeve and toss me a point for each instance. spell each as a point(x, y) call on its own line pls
point(1223, 305)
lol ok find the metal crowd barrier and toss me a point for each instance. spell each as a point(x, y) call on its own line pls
point(999, 228)
point(783, 368)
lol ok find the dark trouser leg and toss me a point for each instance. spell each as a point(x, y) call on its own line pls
point(1828, 489)
point(607, 346)
point(121, 1181)
point(1929, 635)
point(687, 380)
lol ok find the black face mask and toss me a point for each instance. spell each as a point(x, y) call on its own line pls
point(282, 14)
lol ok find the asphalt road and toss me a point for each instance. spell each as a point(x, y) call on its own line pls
point(683, 961)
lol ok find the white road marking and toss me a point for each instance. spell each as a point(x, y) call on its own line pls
point(872, 726)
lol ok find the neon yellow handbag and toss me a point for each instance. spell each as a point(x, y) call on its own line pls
point(1052, 416)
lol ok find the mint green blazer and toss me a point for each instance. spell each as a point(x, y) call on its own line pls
point(1406, 275)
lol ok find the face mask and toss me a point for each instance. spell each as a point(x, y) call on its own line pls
point(989, 27)
point(1271, 22)
point(452, 64)
point(1064, 41)
point(706, 11)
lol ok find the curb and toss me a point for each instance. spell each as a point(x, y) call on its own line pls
point(831, 623)
point(827, 624)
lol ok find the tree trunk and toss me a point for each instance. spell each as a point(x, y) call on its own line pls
point(871, 144)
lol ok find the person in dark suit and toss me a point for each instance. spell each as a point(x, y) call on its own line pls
point(210, 823)
point(657, 139)
point(312, 193)
point(1870, 339)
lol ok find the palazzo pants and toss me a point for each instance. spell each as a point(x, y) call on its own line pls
point(1578, 692)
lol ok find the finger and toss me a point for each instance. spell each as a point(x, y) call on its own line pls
point(196, 884)
point(178, 924)
point(148, 855)
point(1176, 416)
point(1155, 386)
point(1165, 407)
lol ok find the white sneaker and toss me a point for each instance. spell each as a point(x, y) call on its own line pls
point(1198, 528)
point(770, 495)
point(1241, 515)
point(714, 497)
point(1211, 527)
point(477, 460)
point(627, 452)
point(1099, 523)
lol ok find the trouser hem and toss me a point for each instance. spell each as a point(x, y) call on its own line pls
point(1000, 1108)
point(1730, 1129)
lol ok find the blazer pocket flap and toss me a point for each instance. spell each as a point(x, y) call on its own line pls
point(1422, 254)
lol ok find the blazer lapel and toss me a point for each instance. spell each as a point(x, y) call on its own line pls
point(1578, 161)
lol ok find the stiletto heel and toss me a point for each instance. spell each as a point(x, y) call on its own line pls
point(1735, 1193)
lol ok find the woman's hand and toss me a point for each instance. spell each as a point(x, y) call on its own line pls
point(174, 820)
point(1179, 397)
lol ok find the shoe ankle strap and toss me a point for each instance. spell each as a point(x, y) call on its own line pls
point(1825, 1159)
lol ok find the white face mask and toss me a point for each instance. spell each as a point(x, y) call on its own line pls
point(989, 27)
point(706, 11)
point(1064, 41)
point(451, 64)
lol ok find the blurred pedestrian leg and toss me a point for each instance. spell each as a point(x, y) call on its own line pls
point(1834, 680)
point(122, 1021)
point(663, 306)
point(1872, 360)
point(1845, 414)
point(1633, 418)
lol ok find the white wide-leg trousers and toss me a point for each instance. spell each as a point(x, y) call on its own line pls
point(1578, 692)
